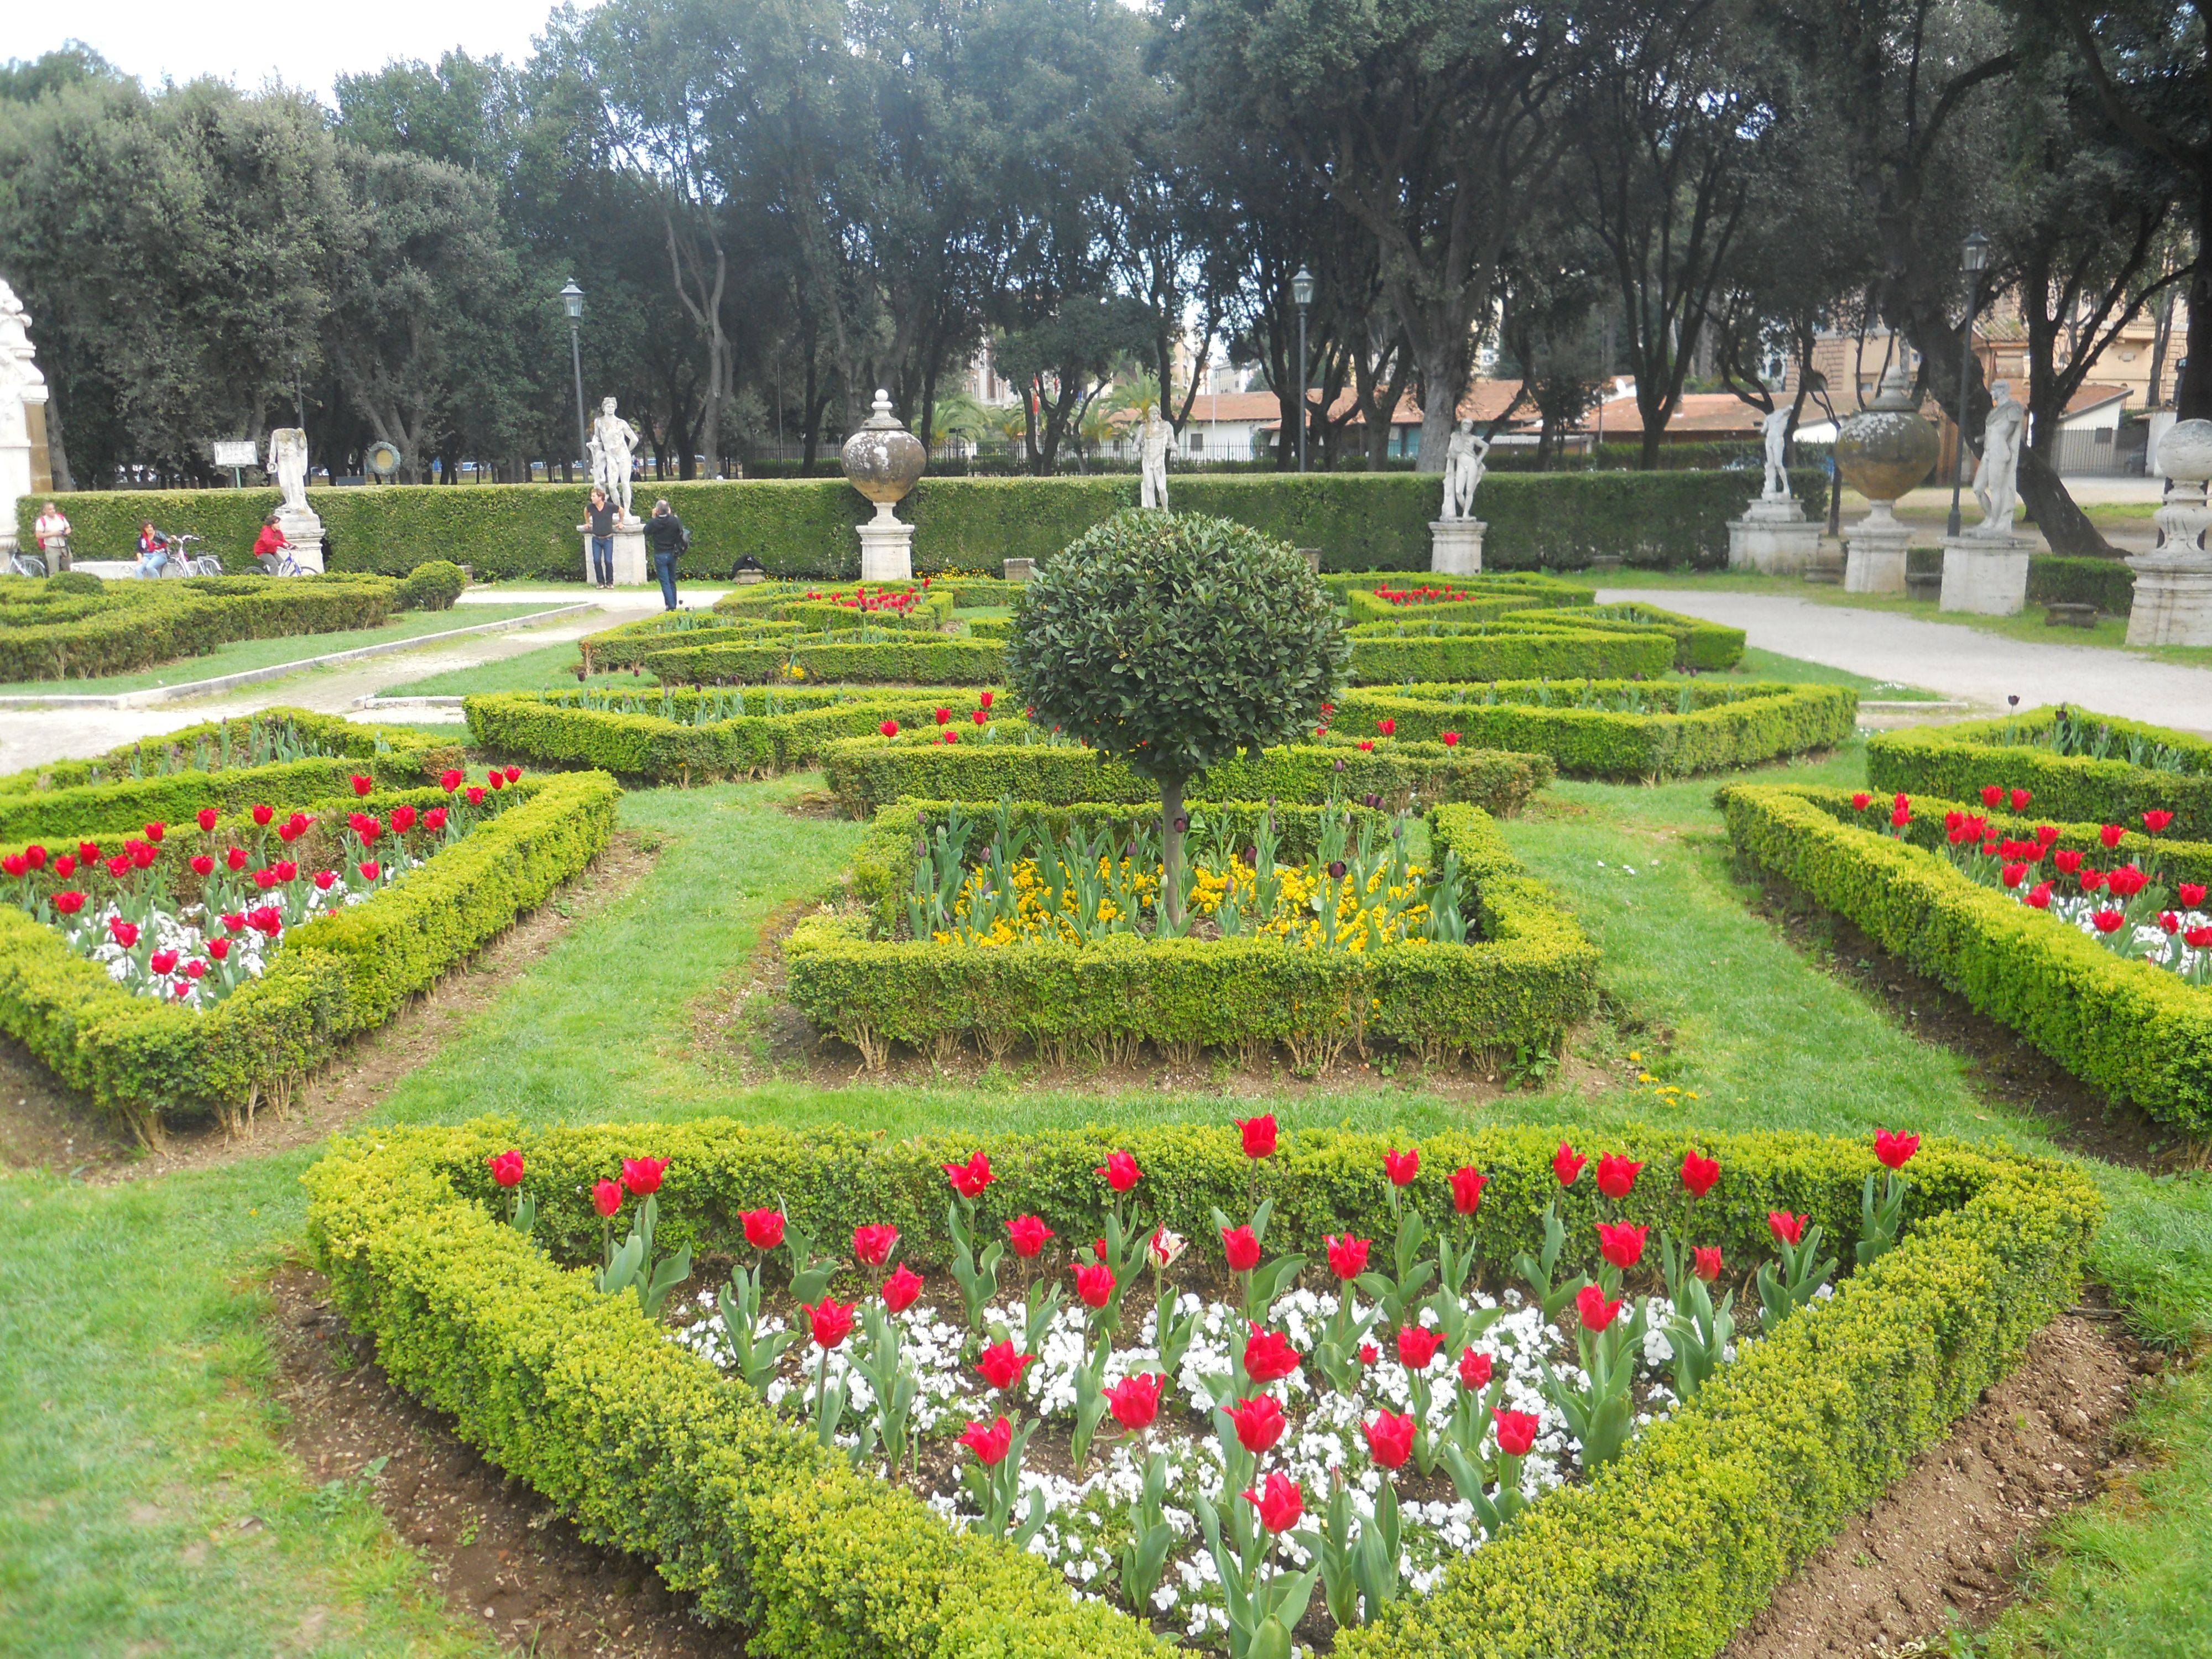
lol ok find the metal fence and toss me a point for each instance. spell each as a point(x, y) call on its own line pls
point(2103, 452)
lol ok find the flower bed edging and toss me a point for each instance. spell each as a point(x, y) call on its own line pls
point(2136, 1032)
point(650, 1448)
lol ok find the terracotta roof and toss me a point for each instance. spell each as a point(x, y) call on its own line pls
point(1483, 401)
point(1709, 414)
point(2091, 395)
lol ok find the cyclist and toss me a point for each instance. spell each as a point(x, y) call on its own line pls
point(270, 547)
point(153, 550)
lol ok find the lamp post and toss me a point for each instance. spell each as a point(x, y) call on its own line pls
point(1974, 257)
point(572, 298)
point(1302, 291)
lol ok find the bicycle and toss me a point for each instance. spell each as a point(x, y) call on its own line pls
point(183, 561)
point(26, 564)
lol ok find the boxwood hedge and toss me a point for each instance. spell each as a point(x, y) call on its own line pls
point(838, 658)
point(49, 635)
point(2134, 1030)
point(648, 1447)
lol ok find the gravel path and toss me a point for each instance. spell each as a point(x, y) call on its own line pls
point(1961, 662)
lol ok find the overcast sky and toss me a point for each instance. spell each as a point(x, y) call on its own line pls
point(307, 46)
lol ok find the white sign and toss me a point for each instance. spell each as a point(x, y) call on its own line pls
point(236, 452)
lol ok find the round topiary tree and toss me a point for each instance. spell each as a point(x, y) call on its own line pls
point(1172, 641)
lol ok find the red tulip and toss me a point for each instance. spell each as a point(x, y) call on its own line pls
point(1699, 1174)
point(1094, 1284)
point(1474, 1369)
point(986, 697)
point(261, 814)
point(1258, 1422)
point(1241, 1248)
point(2197, 937)
point(265, 918)
point(2067, 860)
point(236, 924)
point(1259, 1133)
point(1616, 1175)
point(2020, 800)
point(888, 728)
point(989, 1445)
point(286, 871)
point(1466, 1183)
point(1387, 727)
point(2109, 921)
point(2128, 880)
point(217, 948)
point(1862, 800)
point(475, 794)
point(1597, 1313)
point(64, 867)
point(1401, 1167)
point(451, 779)
point(2039, 896)
point(901, 1288)
point(370, 870)
point(2192, 893)
point(969, 1179)
point(1367, 744)
point(1027, 1234)
point(1899, 816)
point(1121, 1171)
point(68, 903)
point(1347, 1256)
point(162, 961)
point(943, 716)
point(120, 865)
point(1001, 1367)
point(763, 1228)
point(1567, 1164)
point(496, 778)
point(1369, 1353)
point(606, 1197)
point(125, 933)
point(1450, 739)
point(143, 855)
point(202, 865)
point(325, 880)
point(830, 1322)
point(642, 1175)
point(982, 717)
point(1621, 1244)
point(1268, 1356)
point(2012, 874)
point(402, 819)
point(871, 1245)
point(2110, 835)
point(1389, 1439)
point(507, 1166)
point(1417, 1347)
point(1992, 795)
point(1705, 1262)
point(196, 969)
point(1135, 1400)
point(1517, 1431)
point(512, 773)
point(1787, 1229)
point(435, 818)
point(206, 816)
point(2156, 819)
point(1894, 1149)
point(1280, 1502)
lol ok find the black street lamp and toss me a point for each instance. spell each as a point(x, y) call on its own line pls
point(1301, 286)
point(572, 297)
point(1974, 259)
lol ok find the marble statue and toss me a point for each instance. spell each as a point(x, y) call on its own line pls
point(288, 465)
point(22, 389)
point(1996, 477)
point(1463, 469)
point(1776, 428)
point(613, 441)
point(1154, 439)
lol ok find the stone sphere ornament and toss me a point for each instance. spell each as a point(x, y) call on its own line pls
point(2185, 453)
point(883, 460)
point(1887, 448)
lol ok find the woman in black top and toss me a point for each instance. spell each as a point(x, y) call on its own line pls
point(666, 537)
point(599, 517)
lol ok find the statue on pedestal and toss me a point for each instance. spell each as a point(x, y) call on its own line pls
point(1463, 470)
point(1997, 478)
point(1775, 429)
point(288, 465)
point(612, 442)
point(1154, 439)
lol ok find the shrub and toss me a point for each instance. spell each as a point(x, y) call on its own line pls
point(431, 586)
point(1721, 727)
point(1957, 760)
point(1699, 646)
point(924, 660)
point(2108, 584)
point(2137, 1032)
point(136, 624)
point(1500, 650)
point(75, 581)
point(651, 1450)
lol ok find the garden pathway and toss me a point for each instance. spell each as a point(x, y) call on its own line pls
point(1961, 662)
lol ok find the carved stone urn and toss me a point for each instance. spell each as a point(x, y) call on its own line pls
point(883, 460)
point(1888, 446)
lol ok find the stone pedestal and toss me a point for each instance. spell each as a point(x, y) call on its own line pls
point(1774, 538)
point(631, 568)
point(303, 528)
point(886, 547)
point(1873, 553)
point(1985, 574)
point(1018, 570)
point(2173, 598)
point(1456, 546)
point(1312, 557)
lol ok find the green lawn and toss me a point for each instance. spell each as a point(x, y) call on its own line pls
point(529, 671)
point(1759, 664)
point(132, 1363)
point(242, 655)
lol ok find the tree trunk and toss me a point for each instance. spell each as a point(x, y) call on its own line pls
point(1443, 381)
point(2063, 523)
point(2192, 391)
point(56, 453)
point(1172, 823)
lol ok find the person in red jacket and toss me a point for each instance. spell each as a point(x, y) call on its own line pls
point(268, 544)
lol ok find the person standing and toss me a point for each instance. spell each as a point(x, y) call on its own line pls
point(666, 535)
point(600, 519)
point(52, 530)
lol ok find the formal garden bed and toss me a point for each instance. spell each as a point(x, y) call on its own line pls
point(2092, 941)
point(201, 967)
point(1546, 1346)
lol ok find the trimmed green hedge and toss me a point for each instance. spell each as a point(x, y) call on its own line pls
point(1727, 725)
point(128, 625)
point(1500, 651)
point(804, 527)
point(650, 1448)
point(1532, 975)
point(1699, 646)
point(2108, 584)
point(563, 728)
point(924, 661)
point(1957, 760)
point(627, 645)
point(2136, 1031)
point(867, 772)
point(1362, 606)
point(149, 1062)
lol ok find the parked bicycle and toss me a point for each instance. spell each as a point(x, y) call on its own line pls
point(26, 564)
point(183, 561)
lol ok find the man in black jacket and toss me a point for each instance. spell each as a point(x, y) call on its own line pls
point(667, 537)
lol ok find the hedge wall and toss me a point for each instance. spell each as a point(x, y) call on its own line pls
point(1499, 652)
point(2108, 584)
point(149, 1062)
point(650, 1448)
point(1700, 647)
point(1957, 760)
point(931, 660)
point(2136, 1031)
point(1728, 725)
point(868, 772)
point(804, 527)
point(1532, 975)
point(46, 635)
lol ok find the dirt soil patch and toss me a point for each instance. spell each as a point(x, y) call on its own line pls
point(1948, 1543)
point(43, 1123)
point(505, 1560)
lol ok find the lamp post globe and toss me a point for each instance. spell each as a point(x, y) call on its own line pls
point(572, 302)
point(1302, 291)
point(1973, 260)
